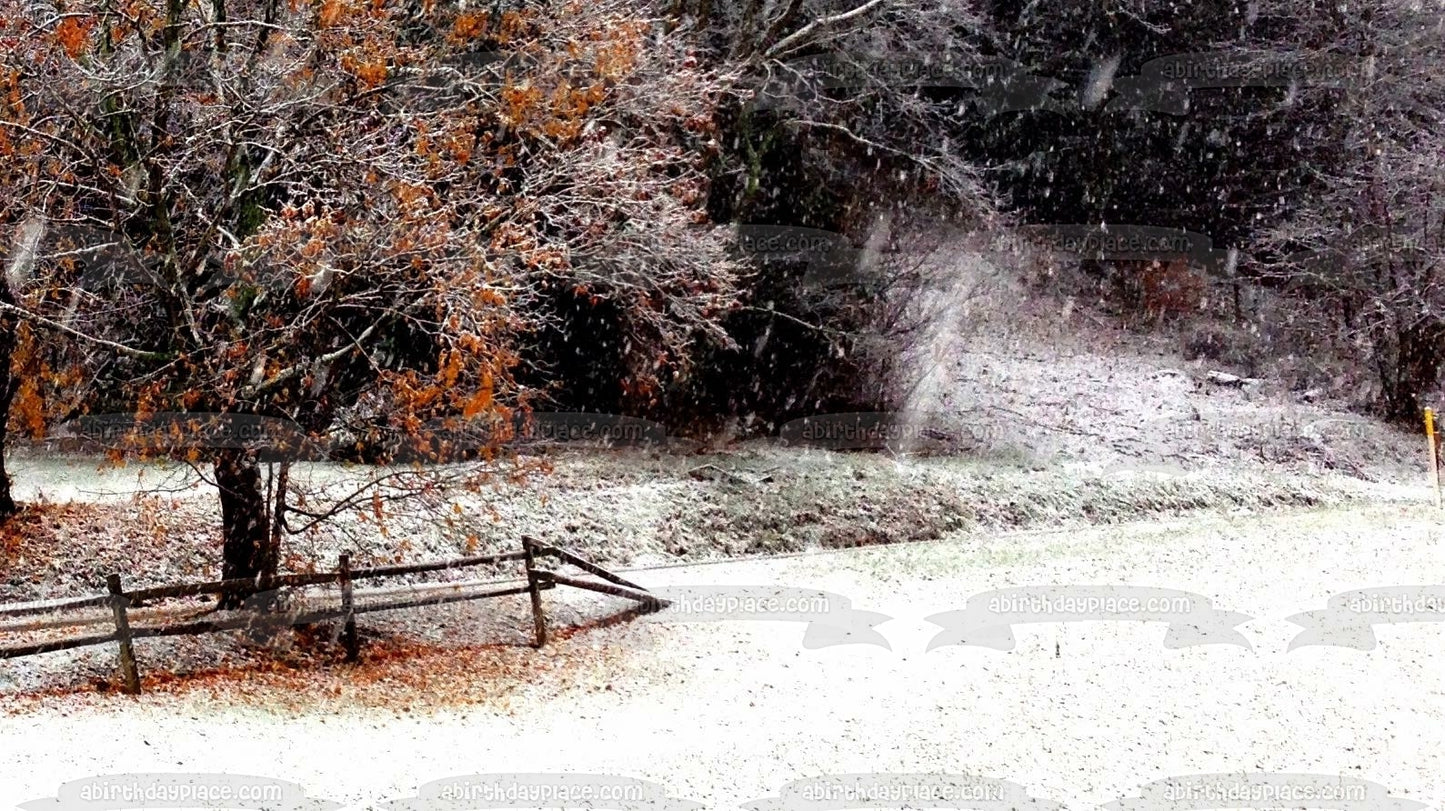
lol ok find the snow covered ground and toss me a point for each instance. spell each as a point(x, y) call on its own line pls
point(725, 713)
point(1078, 713)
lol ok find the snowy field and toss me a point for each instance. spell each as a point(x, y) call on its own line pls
point(1198, 489)
point(727, 713)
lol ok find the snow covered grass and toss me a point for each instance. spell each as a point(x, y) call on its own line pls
point(620, 509)
point(1103, 465)
point(728, 712)
point(626, 508)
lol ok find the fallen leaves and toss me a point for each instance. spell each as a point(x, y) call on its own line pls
point(52, 550)
point(30, 539)
point(396, 674)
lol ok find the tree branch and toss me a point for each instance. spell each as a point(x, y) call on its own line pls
point(74, 333)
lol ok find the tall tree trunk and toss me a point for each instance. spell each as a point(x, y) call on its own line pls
point(247, 551)
point(9, 383)
point(1415, 371)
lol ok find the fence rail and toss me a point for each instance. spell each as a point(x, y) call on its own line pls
point(121, 602)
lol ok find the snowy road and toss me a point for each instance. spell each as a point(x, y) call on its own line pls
point(725, 713)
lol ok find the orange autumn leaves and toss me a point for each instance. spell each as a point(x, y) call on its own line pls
point(558, 115)
point(73, 34)
point(356, 31)
point(77, 32)
point(39, 384)
point(470, 198)
point(461, 385)
point(551, 101)
point(556, 105)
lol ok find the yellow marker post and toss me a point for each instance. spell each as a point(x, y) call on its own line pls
point(1434, 453)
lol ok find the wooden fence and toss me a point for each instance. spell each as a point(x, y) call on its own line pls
point(121, 602)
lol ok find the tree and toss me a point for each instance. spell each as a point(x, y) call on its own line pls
point(334, 215)
point(21, 259)
point(829, 128)
point(1366, 242)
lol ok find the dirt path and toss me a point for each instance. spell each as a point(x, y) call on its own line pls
point(728, 712)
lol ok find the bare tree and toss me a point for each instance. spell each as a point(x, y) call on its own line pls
point(1368, 240)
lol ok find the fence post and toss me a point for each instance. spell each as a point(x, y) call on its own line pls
point(118, 603)
point(348, 631)
point(539, 622)
point(1434, 453)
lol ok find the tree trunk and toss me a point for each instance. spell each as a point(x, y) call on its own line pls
point(9, 383)
point(1414, 372)
point(247, 551)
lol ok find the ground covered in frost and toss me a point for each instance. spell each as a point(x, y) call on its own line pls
point(1114, 463)
point(725, 713)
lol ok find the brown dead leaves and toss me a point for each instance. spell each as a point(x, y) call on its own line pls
point(398, 675)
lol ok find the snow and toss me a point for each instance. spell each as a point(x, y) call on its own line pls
point(725, 713)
